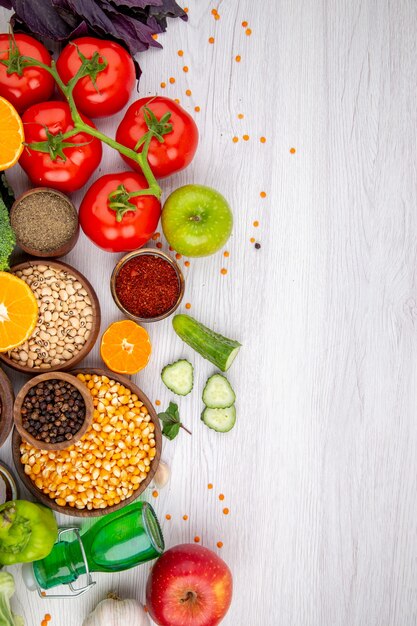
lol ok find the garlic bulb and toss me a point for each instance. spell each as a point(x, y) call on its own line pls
point(116, 612)
point(162, 475)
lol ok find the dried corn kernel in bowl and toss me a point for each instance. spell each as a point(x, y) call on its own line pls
point(109, 462)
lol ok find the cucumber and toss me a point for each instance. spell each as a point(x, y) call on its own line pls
point(220, 350)
point(179, 377)
point(218, 393)
point(220, 420)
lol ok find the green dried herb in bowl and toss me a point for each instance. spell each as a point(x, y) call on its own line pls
point(45, 222)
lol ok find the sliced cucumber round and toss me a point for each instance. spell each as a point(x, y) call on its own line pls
point(218, 393)
point(179, 377)
point(220, 420)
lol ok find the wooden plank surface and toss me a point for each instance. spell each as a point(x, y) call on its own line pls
point(320, 471)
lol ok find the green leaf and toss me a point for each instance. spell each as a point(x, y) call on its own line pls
point(6, 192)
point(7, 237)
point(171, 421)
point(171, 430)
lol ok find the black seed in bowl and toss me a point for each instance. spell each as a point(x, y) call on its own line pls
point(53, 411)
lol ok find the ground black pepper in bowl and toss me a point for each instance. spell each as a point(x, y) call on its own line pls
point(53, 411)
point(44, 221)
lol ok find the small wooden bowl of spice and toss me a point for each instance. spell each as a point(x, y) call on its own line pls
point(68, 322)
point(53, 411)
point(147, 285)
point(45, 222)
point(6, 406)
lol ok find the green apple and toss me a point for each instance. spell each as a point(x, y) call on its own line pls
point(196, 220)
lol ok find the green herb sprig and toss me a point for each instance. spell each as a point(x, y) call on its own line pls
point(171, 422)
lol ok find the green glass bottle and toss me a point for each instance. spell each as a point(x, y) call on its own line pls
point(118, 541)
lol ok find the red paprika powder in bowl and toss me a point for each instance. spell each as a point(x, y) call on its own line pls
point(147, 285)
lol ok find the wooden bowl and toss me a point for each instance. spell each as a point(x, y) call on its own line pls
point(69, 244)
point(89, 344)
point(68, 510)
point(89, 408)
point(164, 257)
point(6, 401)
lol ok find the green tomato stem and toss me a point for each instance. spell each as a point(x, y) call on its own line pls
point(80, 126)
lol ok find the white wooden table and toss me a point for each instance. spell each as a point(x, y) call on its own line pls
point(320, 472)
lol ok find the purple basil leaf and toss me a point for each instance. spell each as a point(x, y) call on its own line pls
point(41, 18)
point(6, 4)
point(134, 4)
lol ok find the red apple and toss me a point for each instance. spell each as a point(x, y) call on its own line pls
point(189, 586)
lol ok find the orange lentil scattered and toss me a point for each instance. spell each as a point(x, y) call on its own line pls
point(185, 68)
point(210, 486)
point(154, 36)
point(197, 539)
point(156, 236)
point(159, 244)
point(47, 617)
point(245, 137)
point(185, 517)
point(197, 109)
point(167, 516)
point(44, 622)
point(158, 402)
point(226, 511)
point(155, 494)
point(221, 496)
point(263, 194)
point(244, 24)
point(238, 58)
point(292, 150)
point(178, 256)
point(171, 249)
point(188, 92)
point(172, 80)
point(187, 263)
point(214, 11)
point(163, 85)
point(252, 239)
point(145, 608)
point(235, 139)
point(219, 544)
point(211, 40)
point(180, 53)
point(188, 305)
point(43, 593)
point(262, 139)
point(223, 271)
point(256, 223)
point(185, 9)
point(248, 32)
point(240, 116)
point(217, 16)
point(226, 253)
point(176, 100)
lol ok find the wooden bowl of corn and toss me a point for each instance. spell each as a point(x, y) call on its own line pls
point(113, 462)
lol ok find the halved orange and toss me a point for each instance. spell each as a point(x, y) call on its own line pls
point(18, 311)
point(12, 135)
point(125, 347)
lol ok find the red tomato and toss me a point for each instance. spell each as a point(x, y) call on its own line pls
point(179, 146)
point(99, 222)
point(80, 162)
point(33, 84)
point(113, 85)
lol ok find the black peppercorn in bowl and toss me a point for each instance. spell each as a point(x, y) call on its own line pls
point(53, 411)
point(147, 285)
